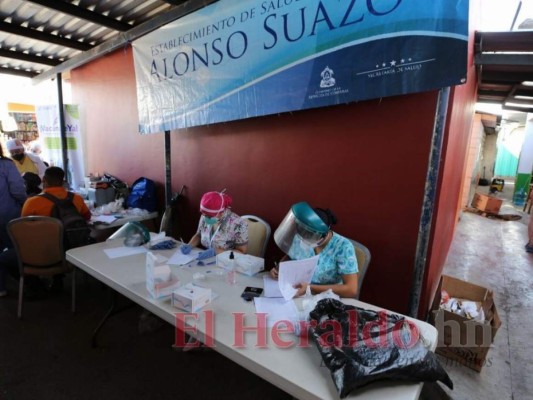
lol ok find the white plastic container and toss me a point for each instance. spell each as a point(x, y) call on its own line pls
point(245, 263)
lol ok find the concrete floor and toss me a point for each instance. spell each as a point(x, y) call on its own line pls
point(490, 253)
point(47, 354)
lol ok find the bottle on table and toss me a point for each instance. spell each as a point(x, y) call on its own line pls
point(231, 274)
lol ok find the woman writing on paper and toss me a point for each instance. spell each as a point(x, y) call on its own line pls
point(219, 229)
point(306, 232)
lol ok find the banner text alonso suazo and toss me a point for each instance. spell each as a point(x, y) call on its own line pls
point(291, 27)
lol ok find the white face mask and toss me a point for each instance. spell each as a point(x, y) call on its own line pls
point(305, 245)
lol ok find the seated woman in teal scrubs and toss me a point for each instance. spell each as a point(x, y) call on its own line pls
point(337, 265)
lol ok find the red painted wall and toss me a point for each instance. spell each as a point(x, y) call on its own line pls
point(366, 161)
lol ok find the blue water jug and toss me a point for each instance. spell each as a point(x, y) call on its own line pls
point(519, 198)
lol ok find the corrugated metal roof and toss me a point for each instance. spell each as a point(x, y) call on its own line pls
point(505, 69)
point(38, 34)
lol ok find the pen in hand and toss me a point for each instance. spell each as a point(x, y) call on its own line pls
point(275, 271)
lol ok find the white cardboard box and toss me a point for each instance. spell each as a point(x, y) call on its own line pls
point(160, 282)
point(191, 298)
point(245, 263)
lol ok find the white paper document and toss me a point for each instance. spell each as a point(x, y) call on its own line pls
point(271, 287)
point(178, 258)
point(277, 309)
point(293, 272)
point(124, 251)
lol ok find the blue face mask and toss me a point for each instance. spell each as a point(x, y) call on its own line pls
point(210, 220)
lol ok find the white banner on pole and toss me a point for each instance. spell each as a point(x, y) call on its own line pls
point(50, 135)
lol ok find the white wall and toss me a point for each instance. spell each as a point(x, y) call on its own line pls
point(525, 163)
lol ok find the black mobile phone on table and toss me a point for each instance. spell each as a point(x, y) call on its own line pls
point(250, 292)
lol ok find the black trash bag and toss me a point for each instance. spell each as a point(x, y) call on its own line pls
point(361, 346)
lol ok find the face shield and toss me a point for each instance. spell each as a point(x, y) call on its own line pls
point(134, 234)
point(307, 236)
point(301, 220)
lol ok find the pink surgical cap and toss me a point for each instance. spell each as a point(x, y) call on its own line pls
point(213, 203)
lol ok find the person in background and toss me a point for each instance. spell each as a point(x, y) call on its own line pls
point(25, 162)
point(219, 229)
point(32, 183)
point(36, 149)
point(39, 205)
point(12, 197)
point(337, 264)
point(529, 245)
point(53, 185)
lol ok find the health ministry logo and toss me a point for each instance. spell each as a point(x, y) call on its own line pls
point(327, 78)
point(327, 85)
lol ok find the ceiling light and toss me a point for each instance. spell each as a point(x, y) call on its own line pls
point(523, 97)
point(510, 104)
point(527, 83)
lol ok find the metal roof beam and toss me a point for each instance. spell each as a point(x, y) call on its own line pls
point(17, 55)
point(521, 109)
point(504, 59)
point(521, 102)
point(125, 38)
point(83, 13)
point(501, 93)
point(492, 77)
point(175, 2)
point(491, 99)
point(42, 36)
point(18, 72)
point(504, 41)
point(524, 91)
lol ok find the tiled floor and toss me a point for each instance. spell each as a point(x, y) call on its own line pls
point(490, 253)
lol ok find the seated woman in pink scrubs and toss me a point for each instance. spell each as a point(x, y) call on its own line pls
point(219, 229)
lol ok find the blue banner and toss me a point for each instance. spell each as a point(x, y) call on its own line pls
point(238, 59)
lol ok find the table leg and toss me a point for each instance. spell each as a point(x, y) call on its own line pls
point(110, 312)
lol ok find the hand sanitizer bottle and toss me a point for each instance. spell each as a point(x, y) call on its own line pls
point(231, 275)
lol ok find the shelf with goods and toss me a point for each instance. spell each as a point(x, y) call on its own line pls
point(26, 127)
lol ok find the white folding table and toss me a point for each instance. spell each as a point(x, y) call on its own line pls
point(296, 370)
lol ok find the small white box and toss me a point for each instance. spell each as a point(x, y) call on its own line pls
point(160, 282)
point(245, 263)
point(162, 274)
point(191, 298)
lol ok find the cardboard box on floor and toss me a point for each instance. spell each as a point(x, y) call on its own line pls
point(487, 203)
point(461, 339)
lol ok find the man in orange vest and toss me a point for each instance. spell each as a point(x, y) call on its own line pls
point(39, 205)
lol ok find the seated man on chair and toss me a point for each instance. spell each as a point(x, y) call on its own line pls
point(40, 205)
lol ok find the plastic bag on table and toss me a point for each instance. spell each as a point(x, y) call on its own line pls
point(309, 301)
point(361, 346)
